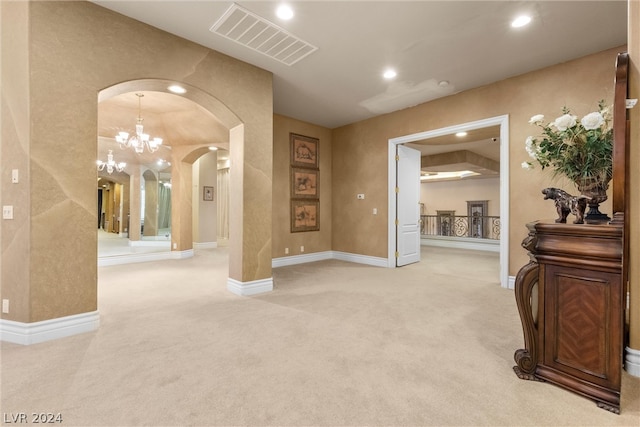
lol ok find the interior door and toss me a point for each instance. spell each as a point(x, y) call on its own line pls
point(408, 206)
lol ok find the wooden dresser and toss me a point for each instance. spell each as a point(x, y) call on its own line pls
point(570, 299)
point(571, 295)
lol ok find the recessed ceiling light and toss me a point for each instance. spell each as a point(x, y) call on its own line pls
point(284, 12)
point(213, 148)
point(389, 74)
point(177, 89)
point(521, 21)
point(443, 83)
point(461, 134)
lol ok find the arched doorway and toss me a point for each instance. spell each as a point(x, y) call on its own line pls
point(187, 134)
point(150, 208)
point(56, 269)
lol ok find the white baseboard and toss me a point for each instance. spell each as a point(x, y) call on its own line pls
point(205, 245)
point(321, 256)
point(47, 330)
point(360, 259)
point(632, 361)
point(301, 259)
point(462, 243)
point(107, 261)
point(155, 243)
point(254, 287)
point(188, 253)
point(512, 282)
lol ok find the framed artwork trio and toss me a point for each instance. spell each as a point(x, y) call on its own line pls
point(305, 183)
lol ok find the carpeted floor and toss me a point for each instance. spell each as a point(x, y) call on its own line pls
point(335, 344)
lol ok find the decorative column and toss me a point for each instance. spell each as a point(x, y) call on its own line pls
point(134, 203)
point(181, 205)
point(150, 203)
point(124, 209)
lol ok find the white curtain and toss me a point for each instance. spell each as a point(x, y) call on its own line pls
point(223, 203)
point(164, 207)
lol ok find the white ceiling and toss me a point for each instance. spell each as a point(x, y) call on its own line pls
point(467, 43)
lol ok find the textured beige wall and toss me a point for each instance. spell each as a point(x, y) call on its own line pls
point(453, 195)
point(14, 39)
point(360, 166)
point(72, 51)
point(360, 149)
point(313, 241)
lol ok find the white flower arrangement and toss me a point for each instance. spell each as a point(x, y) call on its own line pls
point(575, 148)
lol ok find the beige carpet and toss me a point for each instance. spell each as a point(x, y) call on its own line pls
point(335, 344)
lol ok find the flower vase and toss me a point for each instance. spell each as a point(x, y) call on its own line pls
point(596, 190)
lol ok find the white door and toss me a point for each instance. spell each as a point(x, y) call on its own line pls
point(407, 205)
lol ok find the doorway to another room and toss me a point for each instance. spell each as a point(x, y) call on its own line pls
point(497, 124)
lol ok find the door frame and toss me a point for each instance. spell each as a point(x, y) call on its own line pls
point(503, 122)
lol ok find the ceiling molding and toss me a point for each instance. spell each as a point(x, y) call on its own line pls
point(459, 160)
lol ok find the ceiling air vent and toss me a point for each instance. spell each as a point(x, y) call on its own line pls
point(257, 33)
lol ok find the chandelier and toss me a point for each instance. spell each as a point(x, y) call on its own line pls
point(140, 140)
point(110, 164)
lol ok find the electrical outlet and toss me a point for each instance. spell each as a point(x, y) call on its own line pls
point(375, 211)
point(7, 212)
point(301, 248)
point(5, 306)
point(175, 246)
point(360, 196)
point(286, 251)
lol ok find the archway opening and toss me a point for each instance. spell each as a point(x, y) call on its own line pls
point(190, 125)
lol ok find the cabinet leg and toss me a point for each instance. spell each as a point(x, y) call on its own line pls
point(526, 359)
point(525, 375)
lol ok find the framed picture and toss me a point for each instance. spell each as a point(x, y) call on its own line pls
point(207, 194)
point(305, 215)
point(304, 151)
point(305, 183)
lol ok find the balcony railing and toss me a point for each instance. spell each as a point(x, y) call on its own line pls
point(480, 227)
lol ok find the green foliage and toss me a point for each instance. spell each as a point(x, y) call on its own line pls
point(576, 149)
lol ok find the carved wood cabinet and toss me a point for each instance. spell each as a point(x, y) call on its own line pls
point(570, 300)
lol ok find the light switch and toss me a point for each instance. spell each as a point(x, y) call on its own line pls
point(7, 212)
point(14, 176)
point(360, 196)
